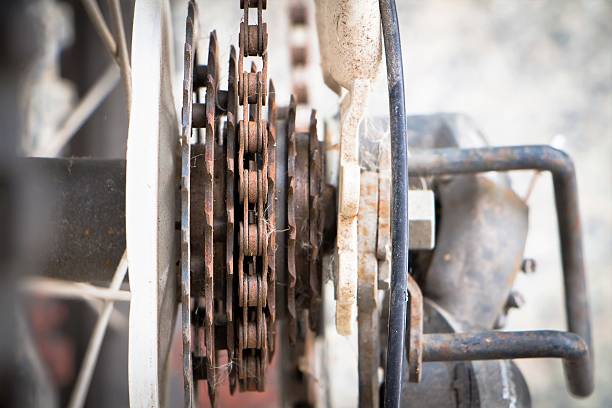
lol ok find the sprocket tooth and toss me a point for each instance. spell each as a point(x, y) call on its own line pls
point(190, 31)
point(236, 185)
point(314, 233)
point(209, 151)
point(271, 147)
point(292, 236)
point(213, 58)
point(230, 146)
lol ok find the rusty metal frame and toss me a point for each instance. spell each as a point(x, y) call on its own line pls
point(494, 345)
point(512, 345)
point(575, 347)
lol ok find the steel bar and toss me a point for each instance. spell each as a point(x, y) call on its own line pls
point(398, 298)
point(515, 345)
point(81, 387)
point(94, 97)
point(544, 158)
point(123, 60)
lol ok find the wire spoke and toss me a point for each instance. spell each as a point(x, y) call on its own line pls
point(72, 290)
point(79, 393)
point(122, 53)
point(95, 14)
point(94, 97)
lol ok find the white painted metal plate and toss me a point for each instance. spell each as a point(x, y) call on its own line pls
point(151, 197)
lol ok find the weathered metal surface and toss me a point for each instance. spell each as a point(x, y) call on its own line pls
point(87, 243)
point(280, 212)
point(234, 205)
point(230, 204)
point(353, 108)
point(498, 345)
point(468, 275)
point(291, 224)
point(271, 209)
point(208, 209)
point(305, 207)
point(545, 158)
point(500, 383)
point(232, 230)
point(302, 223)
point(191, 32)
point(515, 345)
point(375, 254)
point(375, 155)
point(189, 390)
point(422, 219)
point(315, 204)
point(461, 383)
point(415, 332)
point(253, 192)
point(367, 292)
point(443, 384)
point(351, 51)
point(349, 41)
point(299, 221)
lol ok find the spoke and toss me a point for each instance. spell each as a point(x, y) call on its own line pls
point(95, 14)
point(77, 399)
point(105, 84)
point(122, 53)
point(72, 290)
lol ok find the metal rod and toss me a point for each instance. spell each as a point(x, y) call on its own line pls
point(514, 345)
point(95, 14)
point(72, 290)
point(77, 400)
point(94, 97)
point(557, 142)
point(498, 345)
point(544, 158)
point(398, 298)
point(122, 52)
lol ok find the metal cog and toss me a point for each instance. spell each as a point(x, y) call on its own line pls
point(230, 201)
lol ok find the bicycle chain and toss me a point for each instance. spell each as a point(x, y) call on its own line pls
point(229, 177)
point(254, 225)
point(299, 51)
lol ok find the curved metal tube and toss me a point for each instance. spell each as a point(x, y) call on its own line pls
point(545, 158)
point(512, 345)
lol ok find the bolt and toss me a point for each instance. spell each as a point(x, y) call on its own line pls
point(528, 265)
point(515, 300)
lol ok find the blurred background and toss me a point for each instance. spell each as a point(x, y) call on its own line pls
point(525, 71)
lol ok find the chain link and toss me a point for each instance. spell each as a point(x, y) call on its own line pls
point(255, 288)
